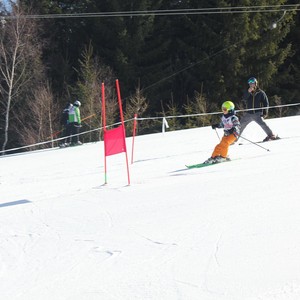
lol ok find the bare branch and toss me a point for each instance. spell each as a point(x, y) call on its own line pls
point(17, 60)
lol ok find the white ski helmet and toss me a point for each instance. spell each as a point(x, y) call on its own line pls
point(77, 103)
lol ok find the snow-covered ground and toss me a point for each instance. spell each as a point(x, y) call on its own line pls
point(226, 232)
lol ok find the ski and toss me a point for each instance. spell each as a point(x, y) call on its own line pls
point(276, 138)
point(202, 165)
point(260, 142)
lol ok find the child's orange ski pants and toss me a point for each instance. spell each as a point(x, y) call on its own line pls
point(222, 147)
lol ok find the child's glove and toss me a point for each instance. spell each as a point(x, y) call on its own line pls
point(235, 133)
point(214, 126)
point(232, 131)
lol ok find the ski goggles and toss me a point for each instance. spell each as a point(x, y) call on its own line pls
point(251, 81)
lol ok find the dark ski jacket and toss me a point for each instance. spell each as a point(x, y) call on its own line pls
point(64, 120)
point(257, 99)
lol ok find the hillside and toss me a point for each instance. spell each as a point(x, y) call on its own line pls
point(225, 232)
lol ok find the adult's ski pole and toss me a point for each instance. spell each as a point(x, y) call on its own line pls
point(255, 143)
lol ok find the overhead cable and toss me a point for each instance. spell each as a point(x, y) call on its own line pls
point(170, 12)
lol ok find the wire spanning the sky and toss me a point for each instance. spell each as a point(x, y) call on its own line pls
point(172, 12)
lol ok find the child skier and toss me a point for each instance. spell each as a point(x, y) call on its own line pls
point(231, 125)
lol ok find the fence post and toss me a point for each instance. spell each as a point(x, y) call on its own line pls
point(164, 125)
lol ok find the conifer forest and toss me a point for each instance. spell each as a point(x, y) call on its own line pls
point(171, 57)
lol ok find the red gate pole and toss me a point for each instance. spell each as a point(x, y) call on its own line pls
point(104, 129)
point(122, 121)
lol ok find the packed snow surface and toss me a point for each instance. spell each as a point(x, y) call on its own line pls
point(230, 231)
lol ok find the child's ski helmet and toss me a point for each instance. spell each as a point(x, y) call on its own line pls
point(228, 105)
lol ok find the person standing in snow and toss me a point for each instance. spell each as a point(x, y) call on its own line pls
point(75, 123)
point(254, 99)
point(65, 123)
point(231, 124)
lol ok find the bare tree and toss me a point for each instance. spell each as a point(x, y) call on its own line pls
point(18, 54)
point(198, 105)
point(44, 117)
point(280, 111)
point(173, 110)
point(136, 104)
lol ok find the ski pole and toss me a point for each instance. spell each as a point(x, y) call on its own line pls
point(217, 134)
point(255, 143)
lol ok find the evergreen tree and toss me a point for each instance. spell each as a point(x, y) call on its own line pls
point(91, 74)
point(286, 84)
point(219, 50)
point(172, 55)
